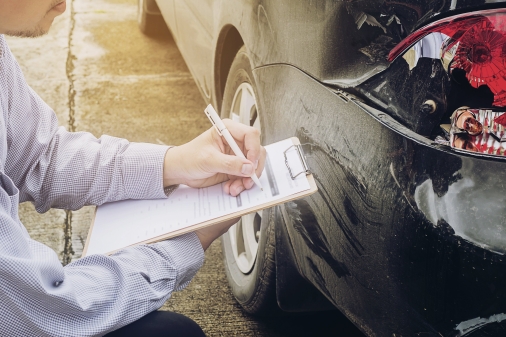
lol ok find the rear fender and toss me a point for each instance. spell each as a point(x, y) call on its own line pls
point(293, 292)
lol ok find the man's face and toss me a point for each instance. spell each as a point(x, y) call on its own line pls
point(29, 18)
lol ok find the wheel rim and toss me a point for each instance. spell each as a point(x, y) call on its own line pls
point(245, 234)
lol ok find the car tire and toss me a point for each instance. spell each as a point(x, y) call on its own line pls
point(254, 289)
point(150, 19)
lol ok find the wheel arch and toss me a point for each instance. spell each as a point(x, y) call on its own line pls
point(228, 44)
point(289, 282)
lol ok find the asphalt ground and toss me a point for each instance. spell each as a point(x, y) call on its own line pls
point(101, 75)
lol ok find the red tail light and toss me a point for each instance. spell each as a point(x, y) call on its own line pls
point(474, 42)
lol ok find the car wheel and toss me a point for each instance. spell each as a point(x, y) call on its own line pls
point(150, 19)
point(249, 245)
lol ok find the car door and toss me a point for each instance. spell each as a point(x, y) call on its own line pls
point(194, 20)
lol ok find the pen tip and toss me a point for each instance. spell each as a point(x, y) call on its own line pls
point(261, 188)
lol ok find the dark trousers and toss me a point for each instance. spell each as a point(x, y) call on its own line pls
point(158, 324)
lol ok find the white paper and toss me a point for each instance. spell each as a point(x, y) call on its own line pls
point(125, 223)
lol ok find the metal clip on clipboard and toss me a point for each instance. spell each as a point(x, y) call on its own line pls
point(300, 152)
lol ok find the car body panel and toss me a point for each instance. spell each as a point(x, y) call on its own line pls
point(395, 237)
point(367, 239)
point(333, 42)
point(196, 41)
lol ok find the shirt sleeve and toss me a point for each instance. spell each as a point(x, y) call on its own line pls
point(56, 168)
point(92, 296)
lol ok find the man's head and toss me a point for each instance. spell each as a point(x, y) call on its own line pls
point(29, 18)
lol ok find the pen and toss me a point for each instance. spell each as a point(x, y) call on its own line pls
point(223, 131)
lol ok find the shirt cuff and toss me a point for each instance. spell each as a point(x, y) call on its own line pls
point(187, 255)
point(143, 171)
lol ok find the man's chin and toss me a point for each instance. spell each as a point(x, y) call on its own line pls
point(36, 32)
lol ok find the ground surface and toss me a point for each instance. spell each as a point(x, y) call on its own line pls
point(100, 74)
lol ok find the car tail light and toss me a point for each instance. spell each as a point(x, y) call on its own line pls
point(473, 42)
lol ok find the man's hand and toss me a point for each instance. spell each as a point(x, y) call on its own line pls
point(208, 160)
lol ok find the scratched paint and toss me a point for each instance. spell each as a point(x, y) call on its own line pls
point(477, 323)
point(302, 215)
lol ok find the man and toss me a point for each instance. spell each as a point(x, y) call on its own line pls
point(51, 167)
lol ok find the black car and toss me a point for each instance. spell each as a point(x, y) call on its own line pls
point(398, 105)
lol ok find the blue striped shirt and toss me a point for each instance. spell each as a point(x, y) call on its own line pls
point(43, 163)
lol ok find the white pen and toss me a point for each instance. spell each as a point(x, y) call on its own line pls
point(223, 131)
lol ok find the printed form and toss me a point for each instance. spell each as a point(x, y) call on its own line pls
point(125, 223)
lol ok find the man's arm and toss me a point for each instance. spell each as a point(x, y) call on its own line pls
point(89, 297)
point(52, 167)
point(56, 168)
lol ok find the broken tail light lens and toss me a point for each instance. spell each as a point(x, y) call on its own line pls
point(473, 42)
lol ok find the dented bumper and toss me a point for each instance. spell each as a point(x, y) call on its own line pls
point(404, 236)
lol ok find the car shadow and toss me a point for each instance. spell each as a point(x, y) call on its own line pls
point(321, 324)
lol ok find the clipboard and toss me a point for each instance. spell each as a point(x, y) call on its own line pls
point(301, 169)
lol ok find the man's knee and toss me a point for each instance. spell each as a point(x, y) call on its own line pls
point(186, 325)
point(161, 323)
